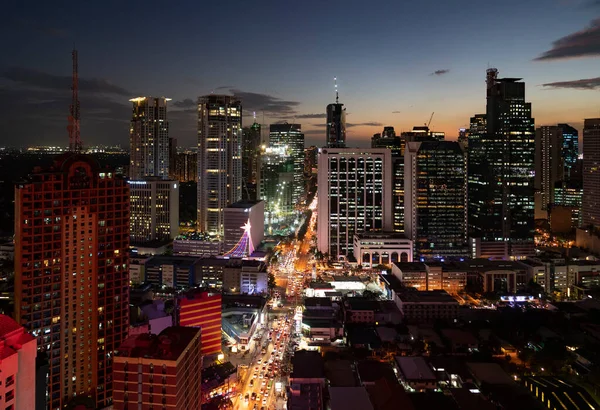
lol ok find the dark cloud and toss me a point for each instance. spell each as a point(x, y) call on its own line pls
point(396, 112)
point(311, 116)
point(583, 84)
point(441, 72)
point(34, 78)
point(267, 103)
point(583, 43)
point(186, 103)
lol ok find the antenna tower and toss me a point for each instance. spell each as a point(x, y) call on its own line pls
point(74, 130)
point(337, 98)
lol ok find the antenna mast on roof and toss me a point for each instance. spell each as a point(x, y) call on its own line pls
point(73, 127)
point(337, 98)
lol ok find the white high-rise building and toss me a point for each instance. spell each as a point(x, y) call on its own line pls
point(149, 138)
point(154, 210)
point(355, 196)
point(219, 159)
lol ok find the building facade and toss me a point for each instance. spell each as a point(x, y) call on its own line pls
point(290, 137)
point(219, 159)
point(186, 167)
point(276, 186)
point(501, 171)
point(435, 199)
point(17, 366)
point(591, 172)
point(336, 125)
point(251, 146)
point(244, 218)
point(162, 372)
point(376, 248)
point(355, 195)
point(72, 221)
point(549, 162)
point(203, 310)
point(154, 210)
point(570, 149)
point(149, 138)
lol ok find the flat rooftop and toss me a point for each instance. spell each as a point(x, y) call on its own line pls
point(411, 266)
point(168, 345)
point(360, 303)
point(414, 368)
point(317, 302)
point(430, 296)
point(307, 365)
point(380, 235)
point(349, 398)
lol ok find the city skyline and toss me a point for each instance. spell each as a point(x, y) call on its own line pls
point(386, 74)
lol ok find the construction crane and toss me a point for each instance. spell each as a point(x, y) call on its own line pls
point(430, 118)
point(73, 127)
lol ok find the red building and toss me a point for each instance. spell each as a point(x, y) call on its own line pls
point(18, 351)
point(203, 310)
point(71, 273)
point(161, 372)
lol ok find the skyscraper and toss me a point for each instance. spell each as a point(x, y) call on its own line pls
point(336, 123)
point(591, 172)
point(501, 172)
point(251, 142)
point(422, 133)
point(570, 152)
point(388, 139)
point(149, 138)
point(290, 136)
point(549, 163)
point(219, 159)
point(154, 210)
point(355, 195)
point(435, 198)
point(72, 273)
point(276, 186)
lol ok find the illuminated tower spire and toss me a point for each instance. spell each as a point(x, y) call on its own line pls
point(337, 98)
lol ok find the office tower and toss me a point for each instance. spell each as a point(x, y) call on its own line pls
point(388, 139)
point(72, 273)
point(17, 367)
point(276, 181)
point(569, 195)
point(355, 195)
point(219, 159)
point(251, 142)
point(501, 172)
point(244, 226)
point(549, 164)
point(591, 172)
point(154, 210)
point(463, 136)
point(149, 138)
point(203, 310)
point(172, 158)
point(186, 167)
point(435, 198)
point(422, 133)
point(570, 151)
point(336, 124)
point(160, 372)
point(290, 136)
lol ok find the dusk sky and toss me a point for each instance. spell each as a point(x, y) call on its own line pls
point(396, 62)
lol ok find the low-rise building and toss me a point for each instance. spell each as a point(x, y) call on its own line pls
point(171, 271)
point(161, 371)
point(447, 276)
point(306, 381)
point(197, 244)
point(382, 248)
point(426, 306)
point(245, 276)
point(415, 374)
point(349, 398)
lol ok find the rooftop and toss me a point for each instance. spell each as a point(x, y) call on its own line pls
point(411, 266)
point(414, 368)
point(360, 303)
point(168, 345)
point(490, 373)
point(307, 365)
point(349, 398)
point(430, 296)
point(340, 373)
point(371, 370)
point(171, 260)
point(245, 204)
point(317, 302)
point(380, 235)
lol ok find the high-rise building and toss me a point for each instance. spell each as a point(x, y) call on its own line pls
point(203, 310)
point(172, 158)
point(388, 139)
point(149, 138)
point(570, 151)
point(549, 164)
point(219, 159)
point(290, 136)
point(251, 144)
point(591, 172)
point(186, 167)
point(569, 195)
point(435, 198)
point(422, 133)
point(17, 366)
point(336, 125)
point(501, 172)
point(311, 155)
point(244, 226)
point(72, 273)
point(275, 186)
point(355, 195)
point(160, 372)
point(154, 210)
